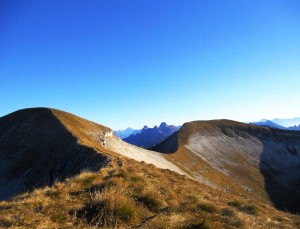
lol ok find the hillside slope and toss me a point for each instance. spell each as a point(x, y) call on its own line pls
point(36, 150)
point(246, 160)
point(61, 171)
point(39, 146)
point(130, 194)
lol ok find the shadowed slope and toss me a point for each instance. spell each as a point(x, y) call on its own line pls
point(41, 145)
point(102, 139)
point(36, 149)
point(239, 158)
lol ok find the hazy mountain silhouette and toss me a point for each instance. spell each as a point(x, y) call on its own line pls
point(126, 133)
point(272, 124)
point(268, 123)
point(149, 137)
point(295, 127)
point(288, 122)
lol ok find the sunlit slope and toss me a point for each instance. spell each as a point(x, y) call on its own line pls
point(239, 158)
point(131, 194)
point(40, 145)
point(102, 138)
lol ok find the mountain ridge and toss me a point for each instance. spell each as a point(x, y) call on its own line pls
point(57, 145)
point(269, 123)
point(221, 153)
point(34, 141)
point(291, 124)
point(77, 173)
point(149, 137)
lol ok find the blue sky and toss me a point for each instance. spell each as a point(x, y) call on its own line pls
point(132, 63)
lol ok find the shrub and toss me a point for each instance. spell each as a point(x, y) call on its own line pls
point(207, 207)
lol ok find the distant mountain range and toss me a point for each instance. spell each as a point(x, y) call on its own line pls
point(268, 123)
point(149, 137)
point(284, 124)
point(287, 122)
point(126, 133)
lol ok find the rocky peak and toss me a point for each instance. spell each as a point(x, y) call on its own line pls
point(163, 125)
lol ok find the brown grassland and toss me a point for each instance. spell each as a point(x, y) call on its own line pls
point(129, 194)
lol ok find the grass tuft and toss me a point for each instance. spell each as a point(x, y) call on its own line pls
point(207, 207)
point(246, 208)
point(150, 201)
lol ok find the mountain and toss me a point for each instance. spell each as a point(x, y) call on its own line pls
point(36, 149)
point(58, 170)
point(268, 123)
point(126, 133)
point(295, 127)
point(40, 146)
point(272, 124)
point(287, 122)
point(243, 159)
point(149, 137)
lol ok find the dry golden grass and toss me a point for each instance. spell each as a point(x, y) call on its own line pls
point(85, 131)
point(137, 195)
point(238, 172)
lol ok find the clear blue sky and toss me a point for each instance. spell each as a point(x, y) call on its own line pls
point(131, 63)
